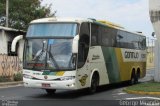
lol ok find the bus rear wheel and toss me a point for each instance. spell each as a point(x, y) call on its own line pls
point(94, 83)
point(134, 79)
point(50, 91)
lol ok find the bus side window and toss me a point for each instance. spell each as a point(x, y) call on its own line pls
point(81, 54)
point(94, 37)
point(108, 36)
point(83, 44)
point(94, 40)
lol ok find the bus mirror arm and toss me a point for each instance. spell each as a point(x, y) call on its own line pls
point(75, 44)
point(74, 58)
point(14, 42)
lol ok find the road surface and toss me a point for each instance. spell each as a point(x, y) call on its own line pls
point(111, 95)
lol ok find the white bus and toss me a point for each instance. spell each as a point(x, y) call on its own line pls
point(72, 53)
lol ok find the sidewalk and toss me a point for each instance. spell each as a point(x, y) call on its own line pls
point(8, 84)
point(147, 88)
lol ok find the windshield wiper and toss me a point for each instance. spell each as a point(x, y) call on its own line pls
point(52, 58)
point(50, 55)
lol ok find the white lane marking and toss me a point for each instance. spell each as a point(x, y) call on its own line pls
point(121, 93)
point(143, 98)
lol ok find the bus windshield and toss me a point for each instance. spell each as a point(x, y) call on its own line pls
point(52, 54)
point(52, 29)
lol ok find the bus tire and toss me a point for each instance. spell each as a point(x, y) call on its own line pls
point(134, 78)
point(138, 73)
point(94, 83)
point(50, 91)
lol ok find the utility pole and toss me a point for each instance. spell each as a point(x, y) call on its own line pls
point(154, 10)
point(7, 10)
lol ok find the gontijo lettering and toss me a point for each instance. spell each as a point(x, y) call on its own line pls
point(129, 54)
point(133, 55)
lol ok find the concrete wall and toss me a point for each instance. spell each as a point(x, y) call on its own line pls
point(154, 10)
point(9, 65)
point(150, 57)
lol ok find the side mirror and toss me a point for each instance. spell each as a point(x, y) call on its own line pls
point(75, 44)
point(14, 42)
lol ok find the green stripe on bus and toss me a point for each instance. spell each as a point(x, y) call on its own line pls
point(111, 64)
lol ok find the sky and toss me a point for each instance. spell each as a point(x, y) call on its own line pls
point(131, 14)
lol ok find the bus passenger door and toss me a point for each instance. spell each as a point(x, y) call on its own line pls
point(83, 65)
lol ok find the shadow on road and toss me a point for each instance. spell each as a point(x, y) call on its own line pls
point(74, 94)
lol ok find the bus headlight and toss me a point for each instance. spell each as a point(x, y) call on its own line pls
point(67, 78)
point(27, 76)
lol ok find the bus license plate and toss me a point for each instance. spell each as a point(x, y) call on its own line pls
point(46, 85)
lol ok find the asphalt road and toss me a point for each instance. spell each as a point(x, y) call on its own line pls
point(112, 92)
point(106, 96)
point(111, 95)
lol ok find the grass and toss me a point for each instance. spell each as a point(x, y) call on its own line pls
point(18, 76)
point(145, 87)
point(4, 79)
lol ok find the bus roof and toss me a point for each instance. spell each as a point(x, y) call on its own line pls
point(59, 19)
point(80, 20)
point(115, 26)
point(108, 23)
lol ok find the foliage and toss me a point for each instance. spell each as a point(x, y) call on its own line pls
point(18, 76)
point(146, 87)
point(4, 79)
point(21, 12)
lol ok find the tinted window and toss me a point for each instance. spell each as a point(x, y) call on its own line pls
point(103, 35)
point(83, 44)
point(130, 40)
point(121, 39)
point(108, 36)
point(94, 34)
point(52, 29)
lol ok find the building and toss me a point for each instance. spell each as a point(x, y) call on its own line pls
point(150, 57)
point(10, 62)
point(154, 10)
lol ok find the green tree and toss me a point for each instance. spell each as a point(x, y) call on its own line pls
point(22, 12)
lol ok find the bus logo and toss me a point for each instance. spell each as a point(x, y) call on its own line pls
point(45, 77)
point(83, 80)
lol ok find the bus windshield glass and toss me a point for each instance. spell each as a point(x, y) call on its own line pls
point(52, 29)
point(52, 54)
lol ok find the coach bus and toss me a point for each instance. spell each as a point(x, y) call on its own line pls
point(72, 53)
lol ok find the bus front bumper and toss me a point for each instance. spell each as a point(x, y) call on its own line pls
point(68, 84)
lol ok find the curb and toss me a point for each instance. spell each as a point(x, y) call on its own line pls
point(141, 92)
point(11, 83)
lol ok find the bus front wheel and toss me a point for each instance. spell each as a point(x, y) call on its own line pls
point(50, 91)
point(94, 83)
